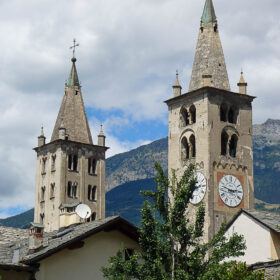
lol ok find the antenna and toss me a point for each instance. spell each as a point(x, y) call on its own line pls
point(83, 211)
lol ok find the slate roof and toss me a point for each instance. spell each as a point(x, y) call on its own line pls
point(58, 240)
point(268, 219)
point(14, 249)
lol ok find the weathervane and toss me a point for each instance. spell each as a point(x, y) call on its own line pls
point(74, 46)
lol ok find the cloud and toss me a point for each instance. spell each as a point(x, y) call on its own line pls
point(129, 51)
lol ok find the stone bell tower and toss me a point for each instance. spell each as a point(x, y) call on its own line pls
point(211, 126)
point(70, 168)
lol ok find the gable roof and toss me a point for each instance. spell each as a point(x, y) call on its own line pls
point(56, 241)
point(268, 219)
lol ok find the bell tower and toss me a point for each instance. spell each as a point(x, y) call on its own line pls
point(70, 168)
point(211, 127)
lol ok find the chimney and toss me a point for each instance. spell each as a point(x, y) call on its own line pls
point(35, 236)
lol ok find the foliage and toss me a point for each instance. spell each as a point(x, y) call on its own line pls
point(172, 247)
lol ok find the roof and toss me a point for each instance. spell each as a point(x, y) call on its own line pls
point(208, 12)
point(10, 234)
point(211, 91)
point(209, 53)
point(268, 219)
point(58, 240)
point(72, 114)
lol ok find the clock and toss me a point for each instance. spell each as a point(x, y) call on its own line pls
point(230, 190)
point(200, 189)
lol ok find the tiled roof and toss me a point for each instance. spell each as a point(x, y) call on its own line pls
point(269, 219)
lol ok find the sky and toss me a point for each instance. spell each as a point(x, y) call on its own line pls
point(128, 54)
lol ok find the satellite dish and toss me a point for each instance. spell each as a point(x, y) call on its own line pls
point(83, 211)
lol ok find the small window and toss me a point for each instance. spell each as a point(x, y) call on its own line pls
point(232, 115)
point(192, 146)
point(184, 117)
point(69, 189)
point(52, 190)
point(74, 189)
point(233, 145)
point(53, 162)
point(42, 218)
point(185, 149)
point(92, 193)
point(193, 114)
point(224, 143)
point(70, 162)
point(223, 113)
point(92, 166)
point(75, 162)
point(44, 163)
point(43, 190)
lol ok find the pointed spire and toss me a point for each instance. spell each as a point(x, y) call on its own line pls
point(73, 80)
point(209, 53)
point(72, 118)
point(242, 84)
point(177, 87)
point(208, 15)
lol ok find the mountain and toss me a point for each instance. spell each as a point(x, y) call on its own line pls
point(136, 164)
point(130, 172)
point(19, 221)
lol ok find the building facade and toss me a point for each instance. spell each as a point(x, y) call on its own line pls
point(211, 127)
point(70, 168)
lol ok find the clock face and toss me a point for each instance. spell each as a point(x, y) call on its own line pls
point(200, 190)
point(230, 190)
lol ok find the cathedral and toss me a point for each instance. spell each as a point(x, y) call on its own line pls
point(209, 126)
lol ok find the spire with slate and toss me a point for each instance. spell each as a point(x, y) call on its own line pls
point(209, 53)
point(72, 114)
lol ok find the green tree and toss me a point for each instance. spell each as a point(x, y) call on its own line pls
point(172, 246)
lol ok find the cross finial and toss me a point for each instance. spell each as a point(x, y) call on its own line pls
point(74, 47)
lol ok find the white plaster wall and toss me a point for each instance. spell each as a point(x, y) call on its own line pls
point(84, 263)
point(257, 239)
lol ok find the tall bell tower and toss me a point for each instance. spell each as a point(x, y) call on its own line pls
point(211, 126)
point(70, 168)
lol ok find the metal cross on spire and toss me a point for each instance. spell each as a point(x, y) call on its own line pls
point(74, 46)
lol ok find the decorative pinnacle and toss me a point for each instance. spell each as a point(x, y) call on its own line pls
point(42, 130)
point(177, 83)
point(101, 133)
point(74, 49)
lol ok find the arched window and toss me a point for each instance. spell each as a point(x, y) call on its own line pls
point(69, 189)
point(185, 149)
point(42, 217)
point(193, 114)
point(52, 190)
point(74, 189)
point(192, 146)
point(224, 143)
point(184, 117)
point(91, 193)
point(73, 162)
point(223, 113)
point(233, 145)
